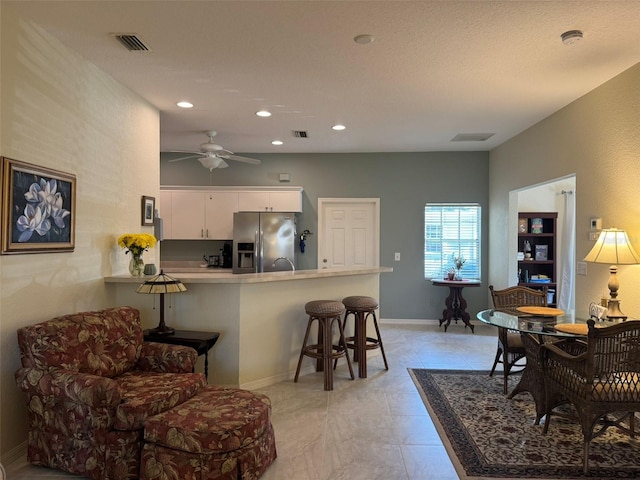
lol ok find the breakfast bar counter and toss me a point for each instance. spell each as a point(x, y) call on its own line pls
point(260, 316)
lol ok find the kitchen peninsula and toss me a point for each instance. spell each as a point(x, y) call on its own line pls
point(260, 316)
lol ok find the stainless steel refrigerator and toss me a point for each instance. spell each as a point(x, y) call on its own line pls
point(263, 242)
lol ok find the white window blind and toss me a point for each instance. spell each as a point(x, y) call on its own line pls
point(451, 230)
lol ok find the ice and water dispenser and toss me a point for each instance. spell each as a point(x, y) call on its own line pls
point(246, 256)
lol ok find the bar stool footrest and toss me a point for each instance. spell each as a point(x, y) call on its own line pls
point(372, 343)
point(317, 351)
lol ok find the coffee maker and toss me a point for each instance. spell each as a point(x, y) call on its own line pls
point(226, 255)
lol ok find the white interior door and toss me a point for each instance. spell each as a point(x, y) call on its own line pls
point(348, 232)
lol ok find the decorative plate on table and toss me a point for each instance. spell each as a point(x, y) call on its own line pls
point(544, 311)
point(575, 328)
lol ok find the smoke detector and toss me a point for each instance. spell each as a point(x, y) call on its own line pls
point(571, 36)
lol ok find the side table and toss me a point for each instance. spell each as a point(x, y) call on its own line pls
point(455, 304)
point(202, 342)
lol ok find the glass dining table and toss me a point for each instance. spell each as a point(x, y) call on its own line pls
point(535, 330)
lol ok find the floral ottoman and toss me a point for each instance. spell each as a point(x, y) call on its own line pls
point(221, 433)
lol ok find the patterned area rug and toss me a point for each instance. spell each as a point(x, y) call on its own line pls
point(489, 436)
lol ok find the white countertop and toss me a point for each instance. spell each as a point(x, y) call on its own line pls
point(213, 275)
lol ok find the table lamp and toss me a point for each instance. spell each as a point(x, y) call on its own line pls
point(162, 284)
point(613, 247)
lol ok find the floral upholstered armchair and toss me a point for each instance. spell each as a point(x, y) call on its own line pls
point(90, 383)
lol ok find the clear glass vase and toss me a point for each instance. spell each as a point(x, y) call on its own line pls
point(458, 275)
point(136, 266)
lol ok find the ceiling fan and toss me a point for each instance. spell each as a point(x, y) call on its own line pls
point(212, 155)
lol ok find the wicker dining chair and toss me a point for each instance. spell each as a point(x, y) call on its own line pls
point(510, 347)
point(602, 380)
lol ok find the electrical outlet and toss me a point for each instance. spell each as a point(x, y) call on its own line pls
point(397, 257)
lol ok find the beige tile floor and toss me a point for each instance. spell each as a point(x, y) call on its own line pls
point(373, 428)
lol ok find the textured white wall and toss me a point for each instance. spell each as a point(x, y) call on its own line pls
point(597, 137)
point(60, 111)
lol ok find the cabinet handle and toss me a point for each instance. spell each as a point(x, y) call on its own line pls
point(202, 232)
point(207, 233)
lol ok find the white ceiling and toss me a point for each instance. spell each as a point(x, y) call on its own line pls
point(434, 70)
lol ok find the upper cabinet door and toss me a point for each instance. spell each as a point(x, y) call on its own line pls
point(286, 201)
point(187, 215)
point(257, 201)
point(165, 213)
point(270, 201)
point(220, 207)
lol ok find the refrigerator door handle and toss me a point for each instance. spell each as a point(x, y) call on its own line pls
point(257, 253)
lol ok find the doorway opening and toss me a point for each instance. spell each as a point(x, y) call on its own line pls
point(556, 195)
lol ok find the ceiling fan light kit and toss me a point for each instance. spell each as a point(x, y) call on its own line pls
point(212, 155)
point(212, 162)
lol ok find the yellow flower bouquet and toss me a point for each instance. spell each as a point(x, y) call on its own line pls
point(136, 243)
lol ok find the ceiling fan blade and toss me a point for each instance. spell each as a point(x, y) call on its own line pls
point(239, 158)
point(184, 158)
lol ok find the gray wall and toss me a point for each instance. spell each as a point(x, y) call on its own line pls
point(404, 182)
point(597, 140)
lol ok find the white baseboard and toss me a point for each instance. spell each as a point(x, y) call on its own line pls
point(408, 321)
point(283, 377)
point(16, 454)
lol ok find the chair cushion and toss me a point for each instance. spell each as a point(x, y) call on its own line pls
point(148, 393)
point(216, 420)
point(622, 387)
point(514, 340)
point(324, 308)
point(360, 302)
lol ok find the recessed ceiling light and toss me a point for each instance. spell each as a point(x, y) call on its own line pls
point(338, 127)
point(185, 104)
point(363, 39)
point(263, 113)
point(571, 36)
point(277, 142)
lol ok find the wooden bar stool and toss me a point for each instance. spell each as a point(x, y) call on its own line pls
point(361, 307)
point(326, 312)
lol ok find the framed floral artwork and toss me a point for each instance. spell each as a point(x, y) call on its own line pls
point(38, 208)
point(148, 207)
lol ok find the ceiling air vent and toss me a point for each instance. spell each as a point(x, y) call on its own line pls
point(300, 134)
point(131, 42)
point(472, 137)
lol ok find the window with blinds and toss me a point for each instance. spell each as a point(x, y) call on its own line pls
point(451, 230)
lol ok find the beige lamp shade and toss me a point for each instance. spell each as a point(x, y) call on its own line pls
point(613, 247)
point(162, 284)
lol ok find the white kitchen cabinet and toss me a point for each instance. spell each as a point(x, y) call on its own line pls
point(270, 201)
point(198, 215)
point(206, 213)
point(187, 215)
point(165, 212)
point(219, 210)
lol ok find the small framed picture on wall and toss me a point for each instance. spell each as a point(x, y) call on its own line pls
point(148, 207)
